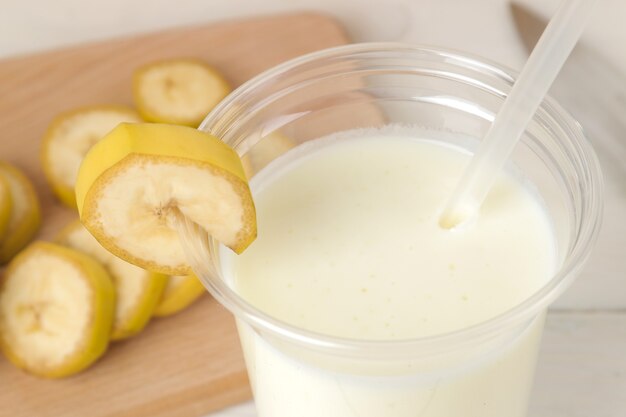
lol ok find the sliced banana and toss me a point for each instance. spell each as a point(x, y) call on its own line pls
point(137, 291)
point(180, 292)
point(6, 205)
point(25, 215)
point(68, 139)
point(265, 151)
point(180, 91)
point(56, 310)
point(136, 184)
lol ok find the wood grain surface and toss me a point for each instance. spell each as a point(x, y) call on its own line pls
point(189, 364)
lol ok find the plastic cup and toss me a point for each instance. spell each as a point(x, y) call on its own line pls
point(484, 370)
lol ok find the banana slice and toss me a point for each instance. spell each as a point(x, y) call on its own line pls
point(179, 293)
point(265, 151)
point(137, 291)
point(56, 310)
point(6, 205)
point(25, 216)
point(68, 139)
point(136, 184)
point(180, 91)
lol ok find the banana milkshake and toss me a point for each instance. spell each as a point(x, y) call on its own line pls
point(349, 246)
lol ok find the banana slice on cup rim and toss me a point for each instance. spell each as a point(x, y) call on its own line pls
point(136, 184)
point(56, 310)
point(137, 291)
point(70, 136)
point(25, 215)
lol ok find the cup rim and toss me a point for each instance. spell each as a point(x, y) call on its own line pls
point(524, 311)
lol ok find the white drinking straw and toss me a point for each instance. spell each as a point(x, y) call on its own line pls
point(542, 67)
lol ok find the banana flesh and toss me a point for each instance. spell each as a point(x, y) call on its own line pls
point(56, 310)
point(180, 292)
point(137, 291)
point(136, 184)
point(25, 215)
point(69, 138)
point(180, 91)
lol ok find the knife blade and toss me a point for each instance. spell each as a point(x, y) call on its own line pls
point(591, 88)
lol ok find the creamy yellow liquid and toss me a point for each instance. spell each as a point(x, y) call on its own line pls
point(349, 245)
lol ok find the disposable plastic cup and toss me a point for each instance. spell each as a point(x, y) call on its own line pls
point(482, 371)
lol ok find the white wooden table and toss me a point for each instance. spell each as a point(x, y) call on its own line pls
point(582, 365)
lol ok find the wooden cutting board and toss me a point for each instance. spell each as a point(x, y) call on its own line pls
point(189, 364)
